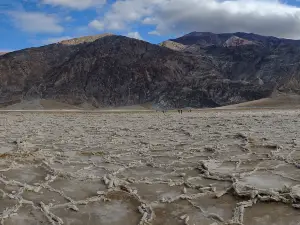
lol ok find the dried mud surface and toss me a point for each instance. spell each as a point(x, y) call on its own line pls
point(202, 168)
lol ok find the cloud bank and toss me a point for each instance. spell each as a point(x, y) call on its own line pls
point(135, 35)
point(36, 22)
point(266, 17)
point(75, 4)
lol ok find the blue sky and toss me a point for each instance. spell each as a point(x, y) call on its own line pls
point(29, 23)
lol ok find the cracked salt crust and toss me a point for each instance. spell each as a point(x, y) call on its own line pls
point(205, 168)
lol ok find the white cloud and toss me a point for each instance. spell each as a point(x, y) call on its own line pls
point(154, 32)
point(96, 24)
point(68, 18)
point(135, 35)
point(122, 13)
point(35, 22)
point(75, 4)
point(266, 17)
point(56, 39)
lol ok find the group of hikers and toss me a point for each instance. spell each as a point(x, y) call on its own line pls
point(180, 111)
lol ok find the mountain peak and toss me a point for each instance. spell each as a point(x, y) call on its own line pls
point(85, 39)
point(204, 39)
point(198, 34)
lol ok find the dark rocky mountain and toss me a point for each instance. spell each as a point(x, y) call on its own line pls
point(266, 61)
point(205, 39)
point(109, 70)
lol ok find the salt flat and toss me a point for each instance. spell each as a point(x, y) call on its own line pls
point(203, 168)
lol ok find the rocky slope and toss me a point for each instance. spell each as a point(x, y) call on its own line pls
point(266, 61)
point(173, 45)
point(205, 39)
point(235, 41)
point(201, 70)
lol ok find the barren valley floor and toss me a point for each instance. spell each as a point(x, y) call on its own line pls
point(202, 168)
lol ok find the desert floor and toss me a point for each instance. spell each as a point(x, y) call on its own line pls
point(203, 168)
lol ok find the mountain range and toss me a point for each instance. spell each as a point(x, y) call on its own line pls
point(200, 69)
